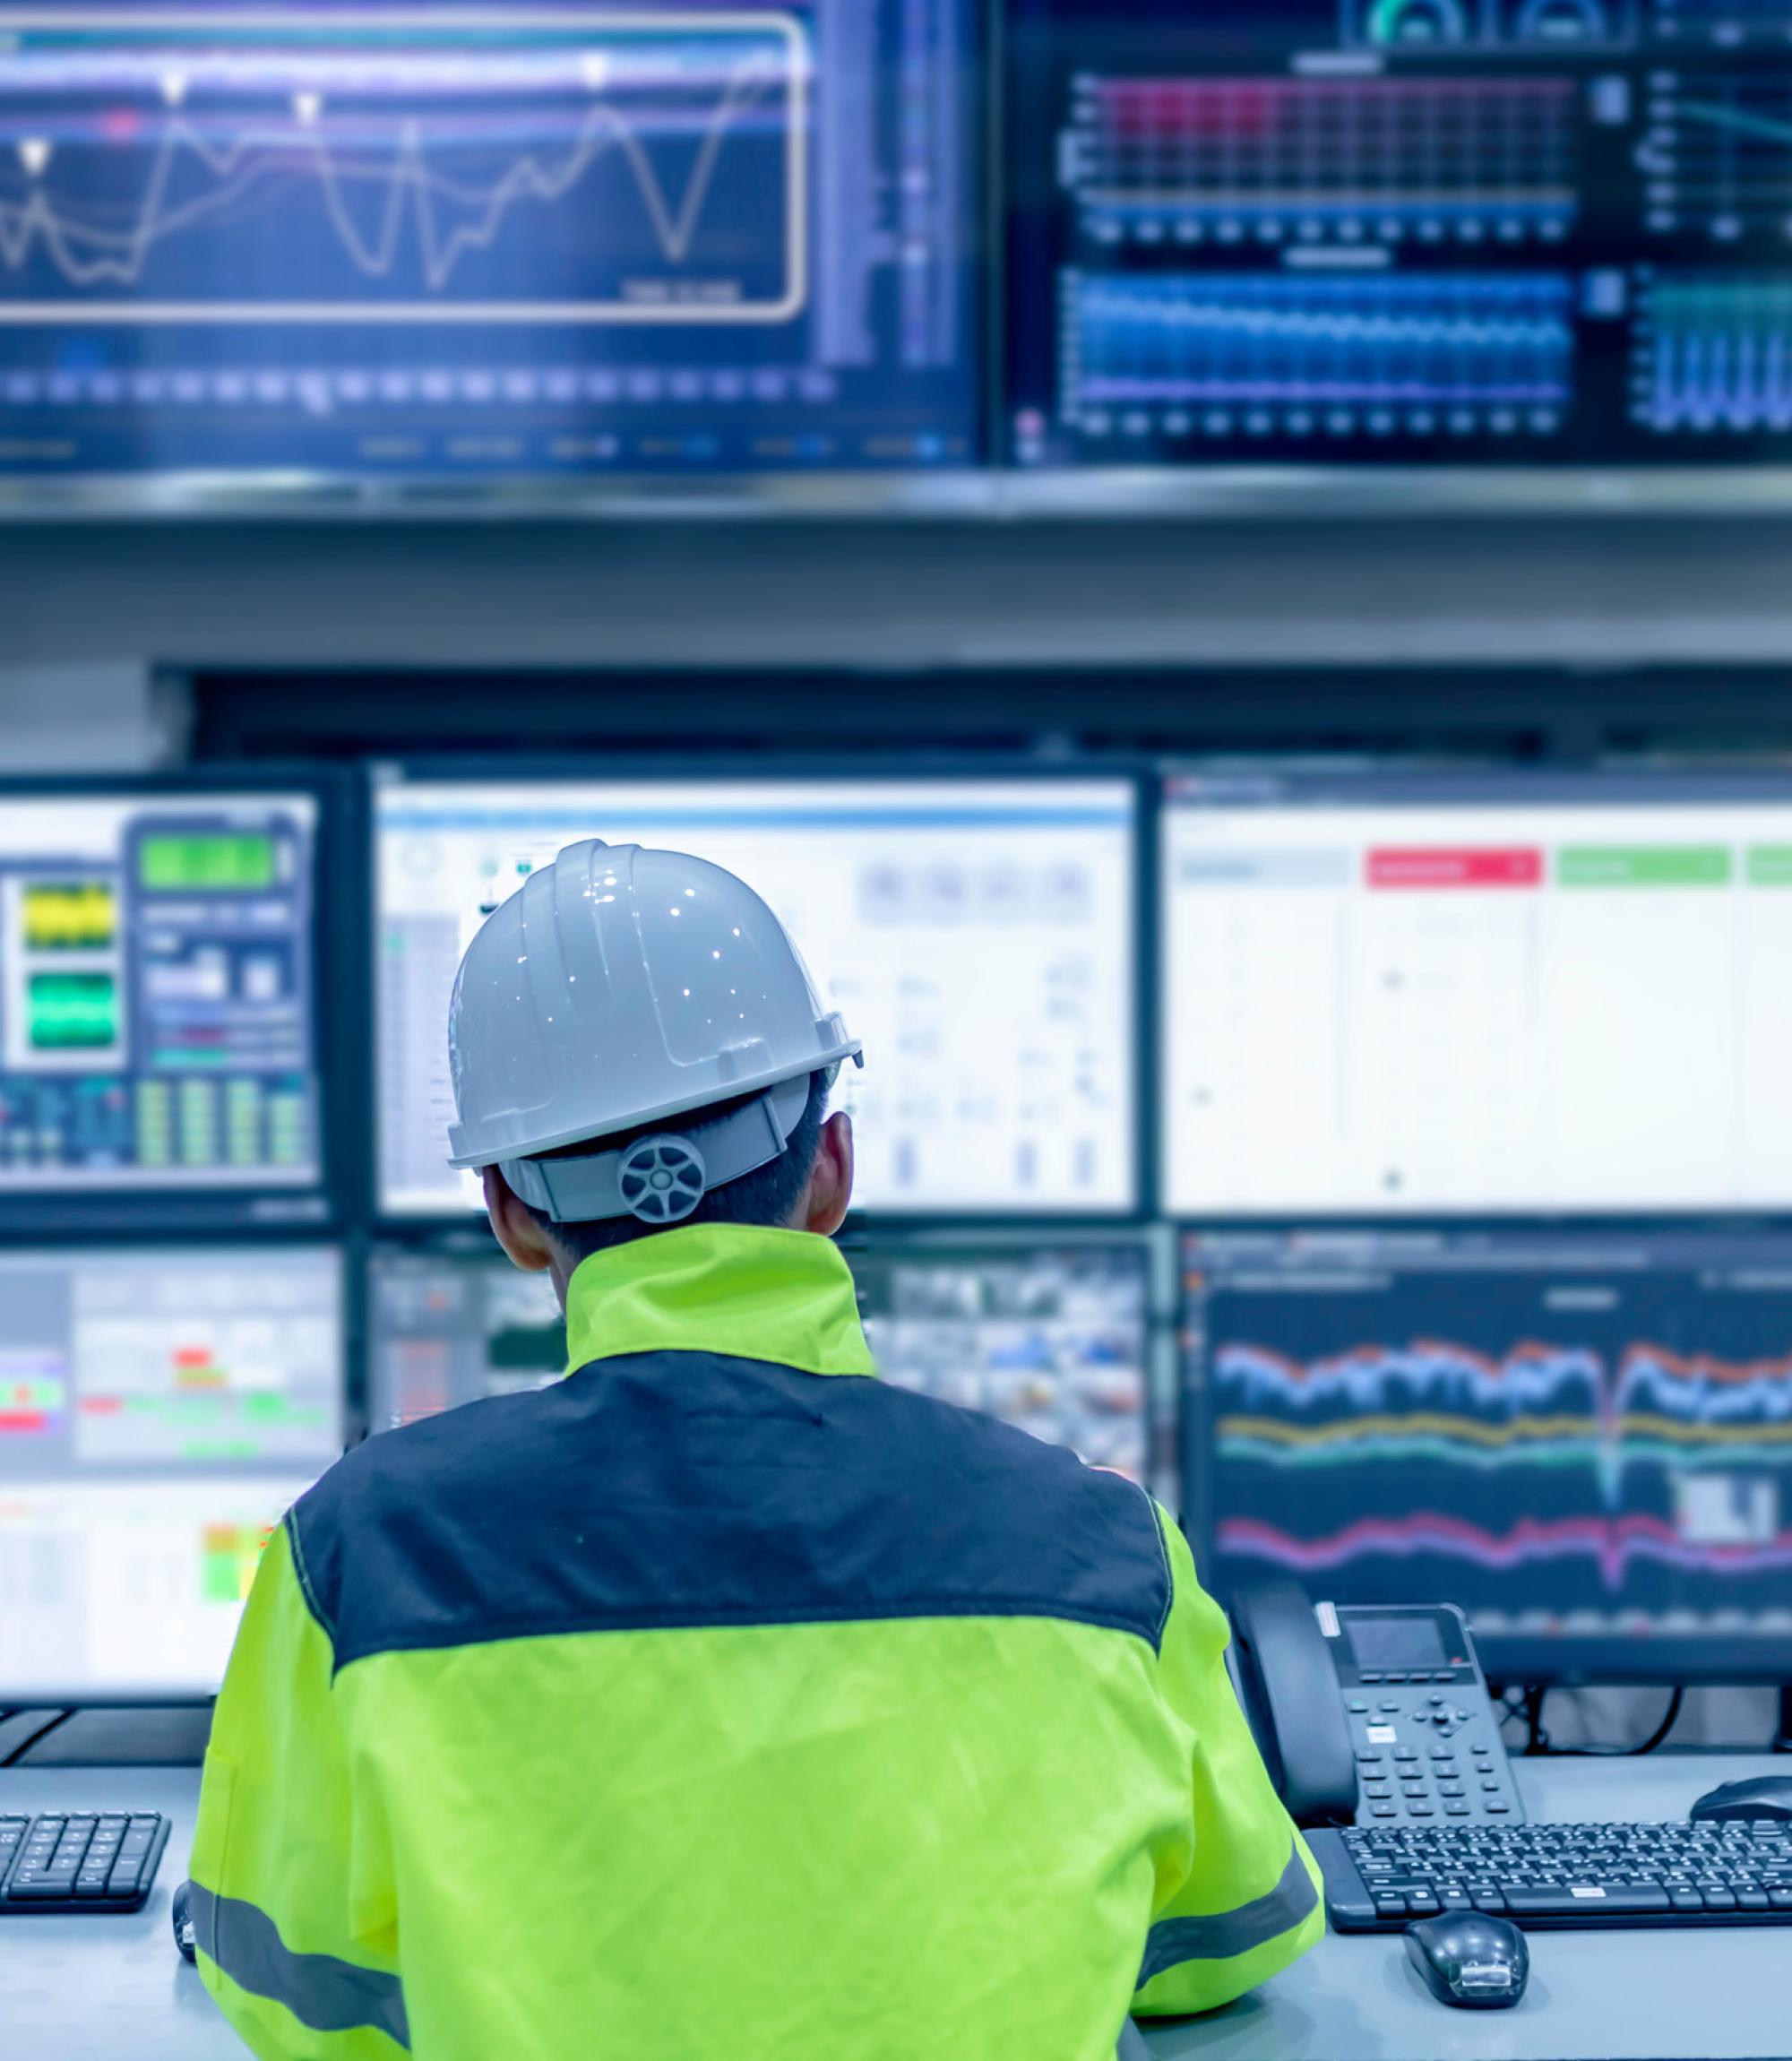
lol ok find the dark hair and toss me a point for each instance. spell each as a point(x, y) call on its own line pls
point(767, 1196)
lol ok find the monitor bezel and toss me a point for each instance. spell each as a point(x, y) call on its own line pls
point(114, 1696)
point(1125, 770)
point(294, 1210)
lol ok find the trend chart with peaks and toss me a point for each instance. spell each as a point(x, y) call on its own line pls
point(606, 168)
point(1544, 231)
point(460, 237)
point(1610, 1422)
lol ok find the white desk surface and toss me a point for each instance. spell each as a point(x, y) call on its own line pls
point(94, 1988)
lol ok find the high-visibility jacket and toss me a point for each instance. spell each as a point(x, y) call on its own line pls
point(722, 1701)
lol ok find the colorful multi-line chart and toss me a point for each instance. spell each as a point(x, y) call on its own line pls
point(1715, 157)
point(1713, 355)
point(1611, 1477)
point(401, 165)
point(1192, 162)
point(1299, 354)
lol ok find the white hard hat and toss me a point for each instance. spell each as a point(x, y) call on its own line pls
point(619, 986)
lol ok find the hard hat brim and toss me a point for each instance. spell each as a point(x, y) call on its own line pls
point(753, 1083)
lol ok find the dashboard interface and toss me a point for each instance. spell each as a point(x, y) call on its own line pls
point(160, 1411)
point(1397, 995)
point(466, 243)
point(157, 995)
point(977, 935)
point(1399, 231)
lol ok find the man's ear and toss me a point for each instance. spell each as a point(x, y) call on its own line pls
point(829, 1194)
point(524, 1241)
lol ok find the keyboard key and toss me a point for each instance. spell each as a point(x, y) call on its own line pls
point(1567, 1900)
point(1751, 1899)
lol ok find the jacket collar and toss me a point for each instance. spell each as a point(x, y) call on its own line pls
point(747, 1291)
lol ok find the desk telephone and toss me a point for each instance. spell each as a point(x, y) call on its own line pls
point(1370, 1714)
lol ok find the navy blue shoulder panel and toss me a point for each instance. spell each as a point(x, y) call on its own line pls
point(688, 1489)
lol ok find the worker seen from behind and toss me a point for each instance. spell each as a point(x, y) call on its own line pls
point(717, 1701)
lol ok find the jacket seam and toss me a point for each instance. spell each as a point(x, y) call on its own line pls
point(304, 1587)
point(748, 1617)
point(1164, 1559)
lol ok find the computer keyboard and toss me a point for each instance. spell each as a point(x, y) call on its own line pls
point(80, 1860)
point(1549, 1877)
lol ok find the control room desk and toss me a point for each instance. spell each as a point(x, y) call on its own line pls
point(93, 1988)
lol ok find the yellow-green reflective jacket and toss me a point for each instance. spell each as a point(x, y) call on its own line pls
point(722, 1701)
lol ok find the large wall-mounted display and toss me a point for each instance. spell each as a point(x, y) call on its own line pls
point(471, 243)
point(1399, 231)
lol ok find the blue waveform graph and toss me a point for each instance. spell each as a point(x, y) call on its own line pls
point(1714, 355)
point(399, 164)
point(1421, 353)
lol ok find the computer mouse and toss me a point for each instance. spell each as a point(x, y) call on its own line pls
point(1470, 1961)
point(1770, 1797)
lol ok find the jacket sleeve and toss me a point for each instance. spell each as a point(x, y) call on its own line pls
point(1244, 1898)
point(291, 1890)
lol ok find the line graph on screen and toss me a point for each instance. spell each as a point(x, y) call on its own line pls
point(1623, 1457)
point(403, 166)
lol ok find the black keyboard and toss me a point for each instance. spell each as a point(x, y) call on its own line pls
point(84, 1860)
point(1551, 1877)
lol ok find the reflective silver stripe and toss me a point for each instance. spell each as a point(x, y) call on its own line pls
point(1229, 1932)
point(328, 1994)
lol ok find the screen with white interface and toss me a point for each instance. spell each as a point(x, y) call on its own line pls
point(977, 936)
point(156, 1012)
point(1401, 993)
point(160, 1409)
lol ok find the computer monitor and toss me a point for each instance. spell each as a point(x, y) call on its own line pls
point(507, 244)
point(1051, 1335)
point(1581, 1438)
point(978, 934)
point(1398, 232)
point(451, 1326)
point(158, 1000)
point(160, 1409)
point(1472, 994)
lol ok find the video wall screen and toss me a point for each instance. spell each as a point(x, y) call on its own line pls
point(470, 244)
point(1399, 231)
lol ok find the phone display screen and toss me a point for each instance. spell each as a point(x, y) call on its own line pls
point(1400, 1643)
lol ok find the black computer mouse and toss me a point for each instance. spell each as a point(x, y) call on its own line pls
point(1469, 1960)
point(1741, 1802)
point(186, 1932)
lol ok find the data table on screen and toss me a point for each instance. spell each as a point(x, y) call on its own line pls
point(1401, 232)
point(1584, 1440)
point(158, 995)
point(160, 1411)
point(464, 243)
point(1507, 996)
point(978, 938)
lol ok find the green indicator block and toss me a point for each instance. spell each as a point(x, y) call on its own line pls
point(1644, 865)
point(70, 1012)
point(220, 1577)
point(1769, 865)
point(206, 865)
